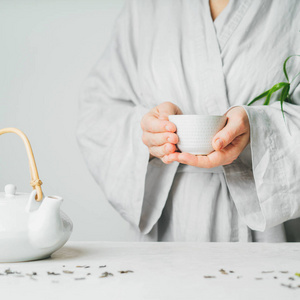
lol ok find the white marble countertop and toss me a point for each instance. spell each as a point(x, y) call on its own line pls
point(159, 271)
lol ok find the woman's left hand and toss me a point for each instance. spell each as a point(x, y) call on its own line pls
point(228, 143)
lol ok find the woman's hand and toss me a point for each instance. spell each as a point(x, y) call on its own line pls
point(158, 131)
point(228, 143)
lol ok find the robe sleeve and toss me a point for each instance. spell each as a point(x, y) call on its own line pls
point(109, 132)
point(268, 193)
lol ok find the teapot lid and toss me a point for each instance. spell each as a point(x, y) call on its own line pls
point(10, 192)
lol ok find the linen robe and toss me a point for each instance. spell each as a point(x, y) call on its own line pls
point(172, 50)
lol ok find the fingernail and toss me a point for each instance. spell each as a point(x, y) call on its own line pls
point(219, 144)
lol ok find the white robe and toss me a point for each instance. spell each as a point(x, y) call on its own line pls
point(171, 50)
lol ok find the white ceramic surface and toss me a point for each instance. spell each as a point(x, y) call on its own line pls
point(161, 271)
point(196, 132)
point(31, 230)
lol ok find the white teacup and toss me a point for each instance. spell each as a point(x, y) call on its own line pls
point(196, 132)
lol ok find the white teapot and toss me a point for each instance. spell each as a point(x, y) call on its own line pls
point(31, 226)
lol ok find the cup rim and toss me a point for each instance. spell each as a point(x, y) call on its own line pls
point(197, 116)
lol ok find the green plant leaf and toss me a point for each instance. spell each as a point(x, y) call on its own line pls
point(288, 99)
point(285, 86)
point(275, 88)
point(264, 94)
point(283, 96)
point(284, 67)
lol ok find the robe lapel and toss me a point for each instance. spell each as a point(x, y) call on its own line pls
point(229, 19)
point(210, 63)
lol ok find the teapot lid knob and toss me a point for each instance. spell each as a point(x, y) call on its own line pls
point(10, 189)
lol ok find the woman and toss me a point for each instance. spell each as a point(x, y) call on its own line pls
point(193, 57)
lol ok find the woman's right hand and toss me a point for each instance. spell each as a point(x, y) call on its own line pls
point(158, 132)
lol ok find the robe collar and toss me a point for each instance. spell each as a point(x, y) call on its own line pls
point(215, 35)
point(227, 22)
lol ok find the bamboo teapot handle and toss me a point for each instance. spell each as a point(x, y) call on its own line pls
point(35, 181)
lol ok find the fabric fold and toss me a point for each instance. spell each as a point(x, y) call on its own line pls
point(159, 180)
point(268, 194)
point(109, 132)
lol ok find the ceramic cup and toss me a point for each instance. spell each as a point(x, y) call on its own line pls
point(196, 132)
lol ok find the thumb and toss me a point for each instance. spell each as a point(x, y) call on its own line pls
point(168, 108)
point(226, 135)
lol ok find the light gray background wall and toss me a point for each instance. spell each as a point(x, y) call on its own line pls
point(47, 48)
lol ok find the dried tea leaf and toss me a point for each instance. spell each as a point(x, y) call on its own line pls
point(9, 272)
point(106, 274)
point(238, 277)
point(53, 273)
point(127, 271)
point(84, 266)
point(208, 276)
point(68, 272)
point(258, 278)
point(275, 277)
point(223, 272)
point(289, 286)
point(231, 271)
point(104, 266)
point(88, 274)
point(284, 272)
point(291, 278)
point(267, 271)
point(80, 278)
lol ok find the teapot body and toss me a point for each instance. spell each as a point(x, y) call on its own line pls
point(16, 246)
point(28, 229)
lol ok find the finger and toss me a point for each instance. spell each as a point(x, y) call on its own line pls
point(215, 159)
point(184, 158)
point(230, 153)
point(226, 135)
point(158, 139)
point(167, 108)
point(201, 161)
point(161, 151)
point(223, 157)
point(169, 158)
point(237, 124)
point(152, 124)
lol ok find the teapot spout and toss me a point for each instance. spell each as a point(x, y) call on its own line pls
point(45, 223)
point(52, 203)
